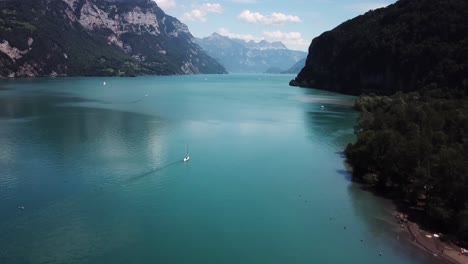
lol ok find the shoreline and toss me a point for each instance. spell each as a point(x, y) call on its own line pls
point(410, 232)
point(446, 251)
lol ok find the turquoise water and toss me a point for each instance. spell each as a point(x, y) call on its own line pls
point(99, 171)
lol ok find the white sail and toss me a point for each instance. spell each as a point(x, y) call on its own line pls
point(187, 157)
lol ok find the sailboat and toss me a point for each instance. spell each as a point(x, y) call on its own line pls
point(187, 157)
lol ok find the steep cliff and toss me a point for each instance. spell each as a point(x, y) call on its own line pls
point(96, 37)
point(406, 46)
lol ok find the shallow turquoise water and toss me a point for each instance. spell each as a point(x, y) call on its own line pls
point(99, 171)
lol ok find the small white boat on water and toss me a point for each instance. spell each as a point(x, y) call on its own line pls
point(187, 157)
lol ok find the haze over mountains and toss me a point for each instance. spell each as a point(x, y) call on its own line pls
point(239, 56)
point(96, 37)
point(296, 68)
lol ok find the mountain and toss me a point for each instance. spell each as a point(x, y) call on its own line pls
point(274, 70)
point(410, 146)
point(239, 56)
point(96, 37)
point(406, 46)
point(296, 68)
point(263, 45)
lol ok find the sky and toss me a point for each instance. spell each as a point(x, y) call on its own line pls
point(293, 22)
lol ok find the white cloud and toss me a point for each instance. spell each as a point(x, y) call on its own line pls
point(200, 12)
point(273, 18)
point(366, 6)
point(246, 37)
point(288, 38)
point(282, 35)
point(166, 4)
point(244, 1)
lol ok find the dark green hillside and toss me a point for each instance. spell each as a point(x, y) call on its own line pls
point(413, 145)
point(52, 38)
point(47, 38)
point(414, 148)
point(404, 47)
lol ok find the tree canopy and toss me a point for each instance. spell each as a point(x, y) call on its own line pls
point(414, 147)
point(406, 46)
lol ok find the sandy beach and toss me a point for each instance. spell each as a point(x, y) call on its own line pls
point(324, 100)
point(447, 252)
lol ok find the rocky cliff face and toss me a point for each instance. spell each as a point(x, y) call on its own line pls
point(239, 56)
point(96, 37)
point(406, 46)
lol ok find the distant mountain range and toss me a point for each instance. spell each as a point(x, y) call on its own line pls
point(239, 56)
point(96, 37)
point(296, 68)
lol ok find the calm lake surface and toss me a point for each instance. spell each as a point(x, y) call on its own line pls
point(99, 171)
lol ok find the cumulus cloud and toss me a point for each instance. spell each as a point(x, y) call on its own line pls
point(166, 4)
point(366, 6)
point(288, 38)
point(273, 18)
point(200, 12)
point(244, 1)
point(246, 37)
point(282, 35)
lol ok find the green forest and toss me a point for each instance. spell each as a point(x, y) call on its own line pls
point(54, 41)
point(406, 46)
point(412, 137)
point(413, 148)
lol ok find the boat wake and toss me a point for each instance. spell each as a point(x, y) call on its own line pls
point(123, 102)
point(149, 172)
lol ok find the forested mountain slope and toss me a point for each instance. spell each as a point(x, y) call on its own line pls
point(96, 37)
point(406, 46)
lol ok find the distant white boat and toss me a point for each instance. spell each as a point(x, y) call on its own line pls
point(187, 157)
point(104, 83)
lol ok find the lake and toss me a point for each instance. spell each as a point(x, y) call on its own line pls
point(99, 171)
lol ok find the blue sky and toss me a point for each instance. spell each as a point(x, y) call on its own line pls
point(294, 22)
